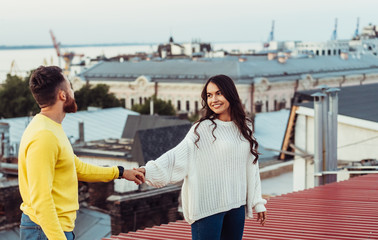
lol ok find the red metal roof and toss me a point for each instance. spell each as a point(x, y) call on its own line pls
point(343, 210)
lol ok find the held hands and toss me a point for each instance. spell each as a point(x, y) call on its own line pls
point(141, 170)
point(133, 175)
point(261, 216)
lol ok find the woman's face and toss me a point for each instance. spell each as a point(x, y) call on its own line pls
point(217, 102)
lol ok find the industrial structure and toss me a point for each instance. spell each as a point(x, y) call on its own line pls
point(67, 56)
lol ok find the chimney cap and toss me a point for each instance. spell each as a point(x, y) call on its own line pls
point(331, 90)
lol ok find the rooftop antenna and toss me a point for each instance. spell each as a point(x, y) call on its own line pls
point(356, 31)
point(334, 33)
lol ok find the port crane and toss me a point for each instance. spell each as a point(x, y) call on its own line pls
point(14, 68)
point(271, 36)
point(67, 56)
point(334, 33)
point(356, 33)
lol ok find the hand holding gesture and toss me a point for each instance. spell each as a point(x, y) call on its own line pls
point(141, 170)
point(134, 175)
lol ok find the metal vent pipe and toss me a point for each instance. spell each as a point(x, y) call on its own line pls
point(318, 126)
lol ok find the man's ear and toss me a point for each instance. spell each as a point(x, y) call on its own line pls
point(62, 95)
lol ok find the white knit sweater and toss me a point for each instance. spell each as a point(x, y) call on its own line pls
point(218, 176)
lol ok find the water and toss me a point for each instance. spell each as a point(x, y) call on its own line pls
point(28, 59)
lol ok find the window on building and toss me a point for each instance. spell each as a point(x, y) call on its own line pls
point(187, 106)
point(196, 107)
point(323, 52)
point(140, 100)
point(267, 106)
point(132, 102)
point(334, 52)
point(178, 105)
point(329, 52)
point(275, 105)
point(317, 52)
point(123, 102)
point(339, 51)
point(258, 106)
point(282, 104)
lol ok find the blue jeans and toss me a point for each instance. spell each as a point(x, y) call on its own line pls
point(29, 230)
point(226, 226)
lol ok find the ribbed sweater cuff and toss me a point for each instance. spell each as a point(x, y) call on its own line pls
point(260, 208)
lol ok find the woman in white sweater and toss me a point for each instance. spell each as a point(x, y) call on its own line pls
point(218, 162)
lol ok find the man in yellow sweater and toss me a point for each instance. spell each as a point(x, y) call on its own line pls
point(48, 168)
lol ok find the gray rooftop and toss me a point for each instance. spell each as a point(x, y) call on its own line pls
point(245, 72)
point(270, 129)
point(149, 144)
point(354, 101)
point(141, 122)
point(98, 124)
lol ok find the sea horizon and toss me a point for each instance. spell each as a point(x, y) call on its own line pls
point(115, 44)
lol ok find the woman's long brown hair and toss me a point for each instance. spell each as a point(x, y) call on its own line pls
point(227, 87)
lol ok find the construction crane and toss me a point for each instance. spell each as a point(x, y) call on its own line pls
point(334, 33)
point(271, 36)
point(67, 56)
point(356, 33)
point(56, 46)
point(14, 68)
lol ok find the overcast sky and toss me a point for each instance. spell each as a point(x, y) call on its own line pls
point(117, 21)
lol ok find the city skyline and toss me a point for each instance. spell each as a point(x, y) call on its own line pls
point(25, 22)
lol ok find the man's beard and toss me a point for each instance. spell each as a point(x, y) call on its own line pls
point(70, 105)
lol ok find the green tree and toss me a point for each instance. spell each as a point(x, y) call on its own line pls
point(16, 99)
point(95, 96)
point(161, 107)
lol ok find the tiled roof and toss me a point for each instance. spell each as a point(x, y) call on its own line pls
point(343, 210)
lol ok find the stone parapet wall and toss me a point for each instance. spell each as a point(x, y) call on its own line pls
point(144, 209)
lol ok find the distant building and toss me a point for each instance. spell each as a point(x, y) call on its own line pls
point(264, 85)
point(329, 48)
point(185, 50)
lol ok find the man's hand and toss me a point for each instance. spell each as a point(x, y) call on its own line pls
point(261, 216)
point(141, 170)
point(133, 175)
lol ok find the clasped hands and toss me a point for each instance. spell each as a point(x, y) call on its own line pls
point(136, 175)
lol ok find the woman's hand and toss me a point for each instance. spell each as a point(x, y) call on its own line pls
point(261, 216)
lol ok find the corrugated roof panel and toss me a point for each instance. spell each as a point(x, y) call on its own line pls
point(343, 210)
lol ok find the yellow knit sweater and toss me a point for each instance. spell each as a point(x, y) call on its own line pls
point(48, 173)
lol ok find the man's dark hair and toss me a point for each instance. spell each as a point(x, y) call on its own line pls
point(45, 82)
